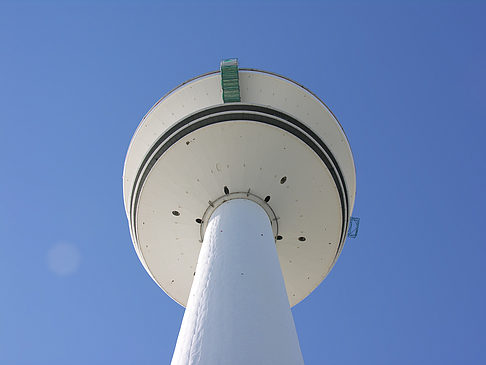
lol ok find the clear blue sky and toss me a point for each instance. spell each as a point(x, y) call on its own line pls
point(407, 82)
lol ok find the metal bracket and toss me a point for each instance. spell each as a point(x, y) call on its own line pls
point(230, 82)
point(353, 227)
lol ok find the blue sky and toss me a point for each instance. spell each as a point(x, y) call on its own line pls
point(407, 82)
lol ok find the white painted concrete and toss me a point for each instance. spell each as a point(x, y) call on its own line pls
point(238, 311)
point(280, 142)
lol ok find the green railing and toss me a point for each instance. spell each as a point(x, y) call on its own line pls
point(229, 80)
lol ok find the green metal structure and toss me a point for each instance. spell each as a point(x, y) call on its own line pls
point(230, 81)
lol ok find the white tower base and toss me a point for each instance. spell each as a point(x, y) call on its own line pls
point(238, 311)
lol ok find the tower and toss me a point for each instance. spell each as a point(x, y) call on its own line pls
point(238, 186)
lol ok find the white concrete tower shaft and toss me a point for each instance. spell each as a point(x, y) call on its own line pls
point(238, 311)
point(206, 168)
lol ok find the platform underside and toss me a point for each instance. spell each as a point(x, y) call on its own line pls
point(306, 180)
point(241, 156)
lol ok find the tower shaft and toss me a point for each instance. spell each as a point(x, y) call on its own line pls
point(238, 310)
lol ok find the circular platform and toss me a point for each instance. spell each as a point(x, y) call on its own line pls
point(280, 147)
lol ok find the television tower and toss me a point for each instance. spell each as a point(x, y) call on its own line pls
point(239, 186)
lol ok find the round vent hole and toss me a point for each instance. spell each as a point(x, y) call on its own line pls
point(176, 213)
point(283, 180)
point(267, 199)
point(301, 239)
point(226, 190)
point(198, 220)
